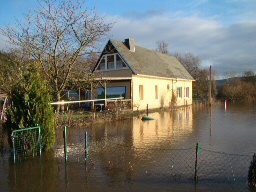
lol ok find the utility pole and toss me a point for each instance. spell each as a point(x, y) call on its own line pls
point(210, 87)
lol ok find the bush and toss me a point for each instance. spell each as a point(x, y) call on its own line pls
point(30, 107)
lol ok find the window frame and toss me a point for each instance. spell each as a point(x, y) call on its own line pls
point(179, 92)
point(187, 92)
point(141, 92)
point(156, 92)
point(106, 66)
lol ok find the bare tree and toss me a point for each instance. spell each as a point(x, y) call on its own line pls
point(190, 62)
point(56, 35)
point(249, 73)
point(162, 47)
point(193, 65)
point(11, 71)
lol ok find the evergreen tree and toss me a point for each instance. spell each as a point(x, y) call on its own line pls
point(31, 106)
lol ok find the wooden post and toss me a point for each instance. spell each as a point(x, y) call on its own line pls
point(147, 109)
point(210, 87)
point(79, 96)
point(93, 106)
point(92, 103)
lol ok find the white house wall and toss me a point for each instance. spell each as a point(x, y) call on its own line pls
point(165, 88)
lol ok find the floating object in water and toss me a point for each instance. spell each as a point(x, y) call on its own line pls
point(145, 117)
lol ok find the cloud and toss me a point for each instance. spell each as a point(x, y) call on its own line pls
point(142, 15)
point(3, 43)
point(226, 48)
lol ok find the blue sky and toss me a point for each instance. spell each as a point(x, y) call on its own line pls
point(222, 33)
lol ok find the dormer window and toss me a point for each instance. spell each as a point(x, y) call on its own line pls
point(111, 62)
point(119, 62)
point(102, 64)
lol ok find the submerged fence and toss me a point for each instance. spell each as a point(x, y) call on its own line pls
point(26, 143)
point(115, 161)
point(195, 166)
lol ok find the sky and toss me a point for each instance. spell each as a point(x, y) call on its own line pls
point(222, 33)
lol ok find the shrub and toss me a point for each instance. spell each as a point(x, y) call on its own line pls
point(30, 107)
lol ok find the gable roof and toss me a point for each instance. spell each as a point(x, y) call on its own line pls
point(152, 63)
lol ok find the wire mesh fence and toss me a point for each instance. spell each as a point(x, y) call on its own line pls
point(117, 162)
point(26, 143)
point(124, 163)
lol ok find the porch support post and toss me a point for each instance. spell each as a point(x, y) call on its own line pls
point(79, 96)
point(105, 86)
point(92, 103)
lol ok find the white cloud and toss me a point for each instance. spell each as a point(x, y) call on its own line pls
point(225, 47)
point(3, 43)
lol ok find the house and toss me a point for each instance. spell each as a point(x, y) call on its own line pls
point(142, 76)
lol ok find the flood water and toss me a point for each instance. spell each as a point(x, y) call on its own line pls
point(136, 155)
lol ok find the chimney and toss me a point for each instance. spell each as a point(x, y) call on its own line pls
point(130, 43)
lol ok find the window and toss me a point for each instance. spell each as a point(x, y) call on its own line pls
point(69, 95)
point(119, 62)
point(187, 92)
point(141, 92)
point(111, 62)
point(102, 64)
point(179, 92)
point(156, 92)
point(112, 92)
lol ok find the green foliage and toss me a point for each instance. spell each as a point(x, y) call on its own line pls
point(201, 85)
point(30, 106)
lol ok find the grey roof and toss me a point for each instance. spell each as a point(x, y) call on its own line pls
point(148, 62)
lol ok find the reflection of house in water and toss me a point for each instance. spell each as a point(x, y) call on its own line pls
point(168, 128)
point(136, 143)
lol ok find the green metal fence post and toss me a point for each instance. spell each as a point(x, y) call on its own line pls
point(86, 146)
point(196, 168)
point(13, 146)
point(65, 142)
point(40, 141)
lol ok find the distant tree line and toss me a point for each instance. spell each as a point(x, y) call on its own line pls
point(239, 88)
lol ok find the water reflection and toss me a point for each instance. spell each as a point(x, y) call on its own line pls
point(213, 128)
point(136, 153)
point(168, 128)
